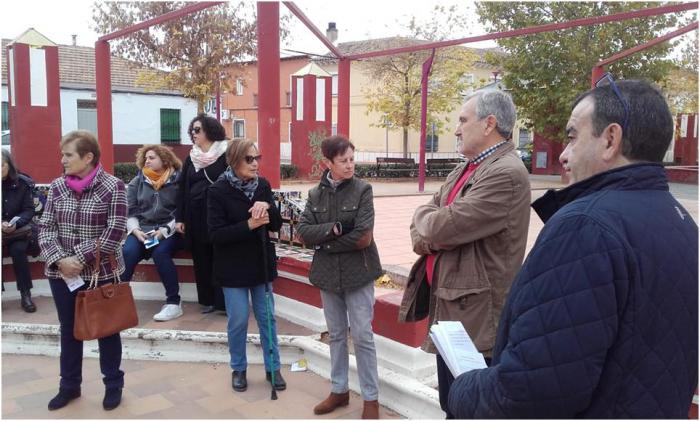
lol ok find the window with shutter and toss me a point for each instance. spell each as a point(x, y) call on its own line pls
point(169, 125)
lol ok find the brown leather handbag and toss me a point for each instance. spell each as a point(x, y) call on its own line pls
point(105, 310)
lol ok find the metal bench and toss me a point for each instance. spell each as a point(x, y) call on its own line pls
point(441, 167)
point(404, 167)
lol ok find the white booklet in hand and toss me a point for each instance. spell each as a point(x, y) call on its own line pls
point(456, 347)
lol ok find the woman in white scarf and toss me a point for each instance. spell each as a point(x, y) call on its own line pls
point(207, 161)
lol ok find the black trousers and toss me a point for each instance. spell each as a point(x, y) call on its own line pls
point(203, 262)
point(18, 251)
point(72, 349)
point(445, 380)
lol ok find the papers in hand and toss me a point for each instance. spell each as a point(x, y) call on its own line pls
point(14, 220)
point(456, 347)
point(151, 241)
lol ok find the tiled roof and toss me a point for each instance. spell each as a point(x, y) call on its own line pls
point(365, 46)
point(77, 70)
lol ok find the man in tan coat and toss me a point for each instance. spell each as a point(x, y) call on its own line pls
point(471, 236)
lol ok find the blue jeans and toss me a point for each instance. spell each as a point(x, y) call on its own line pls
point(237, 310)
point(71, 358)
point(162, 254)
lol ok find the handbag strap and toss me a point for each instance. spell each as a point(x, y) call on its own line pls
point(96, 271)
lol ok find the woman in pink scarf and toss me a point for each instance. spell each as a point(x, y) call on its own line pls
point(201, 169)
point(83, 207)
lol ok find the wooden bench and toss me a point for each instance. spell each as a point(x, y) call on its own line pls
point(386, 167)
point(441, 167)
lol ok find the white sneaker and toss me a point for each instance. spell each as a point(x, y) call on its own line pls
point(168, 312)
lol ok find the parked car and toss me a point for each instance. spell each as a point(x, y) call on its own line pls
point(6, 139)
point(526, 156)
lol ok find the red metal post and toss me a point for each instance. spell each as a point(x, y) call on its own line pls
point(674, 8)
point(427, 65)
point(268, 90)
point(103, 85)
point(344, 97)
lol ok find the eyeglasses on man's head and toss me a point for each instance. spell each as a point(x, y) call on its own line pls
point(607, 80)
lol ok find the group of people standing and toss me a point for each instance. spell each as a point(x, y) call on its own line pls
point(600, 321)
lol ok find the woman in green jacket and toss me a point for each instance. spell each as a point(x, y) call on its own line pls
point(338, 221)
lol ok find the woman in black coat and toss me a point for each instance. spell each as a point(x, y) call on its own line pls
point(241, 213)
point(207, 161)
point(17, 212)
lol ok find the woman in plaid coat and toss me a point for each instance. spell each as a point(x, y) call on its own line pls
point(84, 205)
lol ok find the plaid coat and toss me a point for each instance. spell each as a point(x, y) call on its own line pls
point(71, 226)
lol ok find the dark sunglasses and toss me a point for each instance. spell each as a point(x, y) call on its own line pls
point(195, 130)
point(606, 80)
point(249, 158)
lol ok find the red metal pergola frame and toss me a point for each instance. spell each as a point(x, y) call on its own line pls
point(344, 61)
point(268, 51)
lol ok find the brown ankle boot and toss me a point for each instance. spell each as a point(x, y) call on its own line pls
point(371, 410)
point(333, 401)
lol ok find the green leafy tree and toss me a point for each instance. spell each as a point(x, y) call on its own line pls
point(681, 84)
point(195, 49)
point(547, 71)
point(396, 95)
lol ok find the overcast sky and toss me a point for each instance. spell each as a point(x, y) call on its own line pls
point(355, 20)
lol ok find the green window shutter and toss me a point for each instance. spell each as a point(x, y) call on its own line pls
point(169, 125)
point(5, 116)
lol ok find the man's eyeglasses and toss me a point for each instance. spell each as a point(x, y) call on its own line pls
point(249, 158)
point(195, 130)
point(606, 80)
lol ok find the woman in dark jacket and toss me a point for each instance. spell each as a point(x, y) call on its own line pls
point(338, 221)
point(241, 212)
point(152, 199)
point(207, 161)
point(17, 212)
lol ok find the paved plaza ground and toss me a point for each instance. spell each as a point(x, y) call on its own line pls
point(156, 389)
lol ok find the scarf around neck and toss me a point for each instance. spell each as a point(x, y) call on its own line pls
point(77, 184)
point(201, 159)
point(157, 179)
point(248, 187)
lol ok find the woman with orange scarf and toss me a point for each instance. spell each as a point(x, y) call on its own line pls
point(152, 200)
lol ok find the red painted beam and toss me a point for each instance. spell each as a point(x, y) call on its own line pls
point(196, 7)
point(306, 21)
point(269, 90)
point(427, 65)
point(103, 88)
point(649, 44)
point(596, 74)
point(344, 97)
point(534, 30)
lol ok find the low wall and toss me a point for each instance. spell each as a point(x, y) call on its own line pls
point(398, 344)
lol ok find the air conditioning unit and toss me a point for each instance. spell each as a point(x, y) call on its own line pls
point(225, 115)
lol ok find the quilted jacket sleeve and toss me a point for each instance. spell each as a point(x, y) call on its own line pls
point(361, 235)
point(558, 325)
point(312, 231)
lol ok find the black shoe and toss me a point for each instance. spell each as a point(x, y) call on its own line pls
point(26, 301)
point(64, 396)
point(207, 309)
point(280, 384)
point(113, 397)
point(238, 381)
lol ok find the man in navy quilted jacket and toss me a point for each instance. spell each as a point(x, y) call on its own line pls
point(602, 320)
